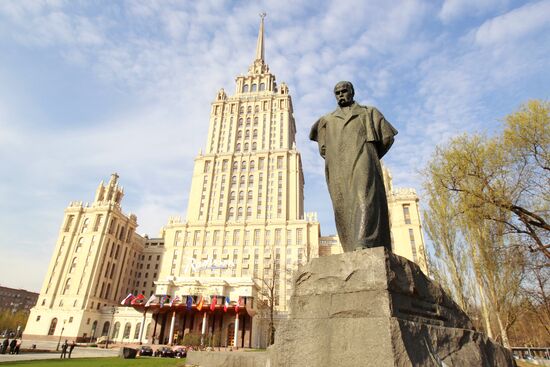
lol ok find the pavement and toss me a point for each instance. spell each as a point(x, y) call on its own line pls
point(78, 352)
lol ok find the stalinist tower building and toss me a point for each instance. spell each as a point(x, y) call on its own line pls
point(246, 207)
point(217, 272)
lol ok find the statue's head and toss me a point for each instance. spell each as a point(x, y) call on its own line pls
point(343, 91)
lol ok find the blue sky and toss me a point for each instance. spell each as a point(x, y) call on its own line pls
point(90, 88)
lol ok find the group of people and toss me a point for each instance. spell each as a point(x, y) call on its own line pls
point(13, 346)
point(67, 348)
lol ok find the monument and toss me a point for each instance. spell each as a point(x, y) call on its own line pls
point(352, 140)
point(368, 306)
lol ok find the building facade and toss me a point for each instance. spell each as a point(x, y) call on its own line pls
point(16, 299)
point(215, 272)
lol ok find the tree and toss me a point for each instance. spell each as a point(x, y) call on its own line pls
point(449, 266)
point(493, 193)
point(268, 285)
point(509, 172)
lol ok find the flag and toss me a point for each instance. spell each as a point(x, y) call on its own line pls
point(151, 299)
point(238, 305)
point(163, 300)
point(138, 300)
point(189, 302)
point(213, 304)
point(128, 299)
point(226, 304)
point(200, 304)
point(174, 300)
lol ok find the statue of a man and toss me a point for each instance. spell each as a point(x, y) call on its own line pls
point(352, 139)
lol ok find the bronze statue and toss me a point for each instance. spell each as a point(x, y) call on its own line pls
point(352, 140)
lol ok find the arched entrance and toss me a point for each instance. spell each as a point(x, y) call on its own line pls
point(116, 328)
point(94, 329)
point(53, 324)
point(230, 334)
point(105, 330)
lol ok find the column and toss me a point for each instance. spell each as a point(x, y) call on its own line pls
point(154, 329)
point(172, 324)
point(203, 331)
point(236, 335)
point(142, 326)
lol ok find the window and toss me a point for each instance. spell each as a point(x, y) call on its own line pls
point(262, 87)
point(245, 88)
point(73, 265)
point(79, 245)
point(127, 329)
point(411, 236)
point(68, 224)
point(254, 87)
point(53, 324)
point(136, 332)
point(406, 214)
point(38, 318)
point(116, 329)
point(97, 222)
point(84, 225)
point(67, 285)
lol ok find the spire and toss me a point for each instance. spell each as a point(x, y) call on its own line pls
point(260, 42)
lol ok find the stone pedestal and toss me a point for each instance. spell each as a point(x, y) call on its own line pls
point(374, 308)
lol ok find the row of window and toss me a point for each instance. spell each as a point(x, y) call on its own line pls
point(182, 238)
point(243, 165)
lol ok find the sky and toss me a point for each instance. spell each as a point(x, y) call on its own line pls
point(88, 88)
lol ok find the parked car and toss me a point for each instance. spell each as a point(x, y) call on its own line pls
point(180, 352)
point(145, 351)
point(166, 352)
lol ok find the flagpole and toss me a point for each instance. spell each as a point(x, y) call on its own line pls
point(203, 331)
point(171, 338)
point(142, 325)
point(236, 332)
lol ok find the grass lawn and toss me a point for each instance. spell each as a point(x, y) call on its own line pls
point(101, 362)
point(525, 364)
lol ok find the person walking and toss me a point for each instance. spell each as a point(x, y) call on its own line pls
point(5, 344)
point(71, 347)
point(64, 349)
point(17, 346)
point(12, 345)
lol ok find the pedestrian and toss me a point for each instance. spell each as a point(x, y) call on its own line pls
point(5, 344)
point(64, 349)
point(12, 346)
point(71, 347)
point(18, 346)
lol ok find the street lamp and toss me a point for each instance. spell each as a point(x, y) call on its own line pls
point(60, 335)
point(113, 311)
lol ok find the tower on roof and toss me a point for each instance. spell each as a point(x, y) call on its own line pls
point(260, 42)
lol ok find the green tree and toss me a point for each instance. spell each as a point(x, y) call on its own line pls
point(493, 193)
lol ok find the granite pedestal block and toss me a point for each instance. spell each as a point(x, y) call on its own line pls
point(375, 308)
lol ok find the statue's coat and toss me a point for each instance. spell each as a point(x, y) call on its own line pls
point(352, 141)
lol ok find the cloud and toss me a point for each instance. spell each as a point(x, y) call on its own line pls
point(514, 25)
point(453, 9)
